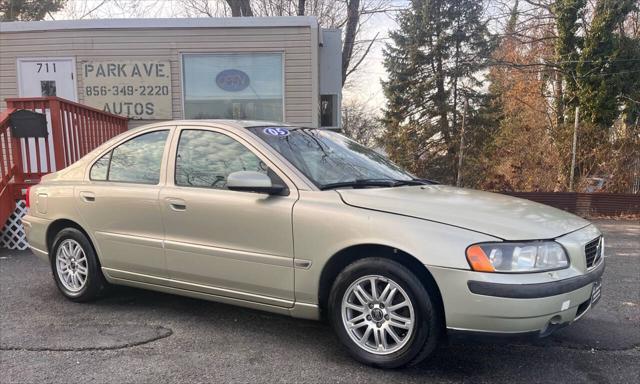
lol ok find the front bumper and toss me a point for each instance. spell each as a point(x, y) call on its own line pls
point(537, 290)
point(498, 304)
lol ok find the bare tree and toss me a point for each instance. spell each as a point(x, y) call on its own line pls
point(240, 8)
point(353, 19)
point(360, 123)
point(349, 15)
point(109, 9)
point(196, 8)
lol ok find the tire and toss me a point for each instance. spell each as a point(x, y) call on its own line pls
point(412, 343)
point(69, 247)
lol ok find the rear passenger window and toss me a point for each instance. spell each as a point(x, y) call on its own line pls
point(135, 161)
point(138, 160)
point(100, 168)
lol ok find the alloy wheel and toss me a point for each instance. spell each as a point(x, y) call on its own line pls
point(71, 265)
point(378, 314)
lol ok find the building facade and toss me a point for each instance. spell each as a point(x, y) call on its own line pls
point(276, 69)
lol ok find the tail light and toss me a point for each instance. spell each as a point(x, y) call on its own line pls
point(27, 200)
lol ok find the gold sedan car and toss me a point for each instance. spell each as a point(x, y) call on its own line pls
point(307, 223)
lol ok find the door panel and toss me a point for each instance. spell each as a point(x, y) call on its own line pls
point(233, 240)
point(239, 242)
point(47, 77)
point(126, 222)
point(120, 204)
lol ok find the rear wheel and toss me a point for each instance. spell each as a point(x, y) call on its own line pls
point(383, 314)
point(75, 266)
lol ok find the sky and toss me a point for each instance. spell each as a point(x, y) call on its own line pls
point(364, 86)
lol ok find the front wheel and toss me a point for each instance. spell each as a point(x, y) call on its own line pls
point(383, 314)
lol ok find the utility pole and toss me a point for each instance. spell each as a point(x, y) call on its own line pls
point(461, 152)
point(573, 149)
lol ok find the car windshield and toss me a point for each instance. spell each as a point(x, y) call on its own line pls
point(331, 160)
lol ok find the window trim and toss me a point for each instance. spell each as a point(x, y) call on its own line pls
point(93, 164)
point(182, 55)
point(163, 171)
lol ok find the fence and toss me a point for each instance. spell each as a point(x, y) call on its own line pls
point(587, 204)
point(7, 166)
point(74, 130)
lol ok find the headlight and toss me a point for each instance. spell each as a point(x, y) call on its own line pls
point(534, 256)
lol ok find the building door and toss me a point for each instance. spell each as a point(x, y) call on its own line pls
point(47, 77)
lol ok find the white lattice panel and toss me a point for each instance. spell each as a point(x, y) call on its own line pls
point(12, 235)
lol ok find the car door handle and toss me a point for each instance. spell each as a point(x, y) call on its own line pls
point(88, 197)
point(177, 204)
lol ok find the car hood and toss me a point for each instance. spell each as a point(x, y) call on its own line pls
point(502, 216)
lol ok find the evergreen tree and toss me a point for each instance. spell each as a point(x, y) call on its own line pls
point(433, 64)
point(604, 64)
point(567, 14)
point(27, 10)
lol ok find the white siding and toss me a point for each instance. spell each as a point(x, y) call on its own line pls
point(160, 44)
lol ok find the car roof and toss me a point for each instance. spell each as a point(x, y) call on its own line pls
point(232, 124)
point(236, 123)
point(226, 123)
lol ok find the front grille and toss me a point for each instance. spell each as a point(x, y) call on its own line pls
point(591, 251)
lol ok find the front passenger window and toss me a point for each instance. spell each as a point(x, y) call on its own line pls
point(206, 158)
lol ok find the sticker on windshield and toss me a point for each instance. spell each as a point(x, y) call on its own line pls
point(272, 131)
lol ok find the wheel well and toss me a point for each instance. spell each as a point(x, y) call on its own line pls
point(59, 225)
point(343, 258)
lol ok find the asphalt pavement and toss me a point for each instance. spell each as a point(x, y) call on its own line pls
point(136, 336)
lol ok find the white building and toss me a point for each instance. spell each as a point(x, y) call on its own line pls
point(276, 68)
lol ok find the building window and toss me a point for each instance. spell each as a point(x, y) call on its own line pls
point(328, 110)
point(245, 86)
point(48, 88)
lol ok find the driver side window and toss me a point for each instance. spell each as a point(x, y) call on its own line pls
point(206, 158)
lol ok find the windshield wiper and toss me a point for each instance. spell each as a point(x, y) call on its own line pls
point(399, 183)
point(360, 183)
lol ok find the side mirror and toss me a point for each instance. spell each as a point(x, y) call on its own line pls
point(250, 181)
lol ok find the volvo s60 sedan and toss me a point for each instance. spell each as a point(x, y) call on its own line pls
point(307, 223)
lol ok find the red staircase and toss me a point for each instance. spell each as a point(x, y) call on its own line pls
point(74, 131)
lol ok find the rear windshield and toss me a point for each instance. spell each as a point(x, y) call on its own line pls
point(327, 157)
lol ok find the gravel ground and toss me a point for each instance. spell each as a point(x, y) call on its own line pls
point(135, 336)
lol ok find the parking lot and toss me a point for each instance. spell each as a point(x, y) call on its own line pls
point(139, 336)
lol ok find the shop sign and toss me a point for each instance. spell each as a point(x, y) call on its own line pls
point(138, 89)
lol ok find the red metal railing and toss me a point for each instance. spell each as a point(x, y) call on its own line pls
point(74, 131)
point(8, 167)
point(10, 164)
